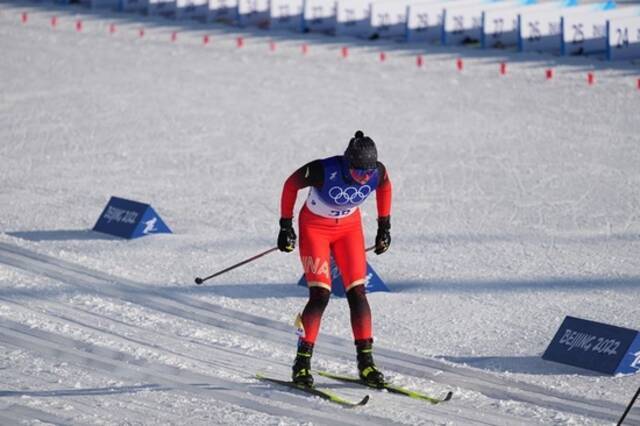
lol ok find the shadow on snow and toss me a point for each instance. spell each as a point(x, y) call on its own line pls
point(534, 365)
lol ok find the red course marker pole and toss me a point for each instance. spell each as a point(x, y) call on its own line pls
point(24, 17)
point(549, 73)
point(345, 52)
point(79, 25)
point(239, 42)
point(459, 64)
point(419, 61)
point(591, 79)
point(503, 68)
point(54, 21)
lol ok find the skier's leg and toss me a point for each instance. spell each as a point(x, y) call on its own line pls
point(349, 254)
point(314, 254)
point(311, 316)
point(360, 310)
point(351, 259)
point(312, 313)
point(314, 244)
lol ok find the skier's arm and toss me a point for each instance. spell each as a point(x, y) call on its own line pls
point(383, 192)
point(311, 174)
point(383, 200)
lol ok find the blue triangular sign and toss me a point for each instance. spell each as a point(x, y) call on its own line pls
point(129, 219)
point(151, 223)
point(373, 281)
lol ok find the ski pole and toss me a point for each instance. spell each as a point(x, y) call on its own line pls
point(629, 407)
point(251, 259)
point(199, 280)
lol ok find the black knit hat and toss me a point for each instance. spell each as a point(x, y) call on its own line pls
point(361, 152)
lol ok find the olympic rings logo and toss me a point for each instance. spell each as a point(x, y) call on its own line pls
point(350, 194)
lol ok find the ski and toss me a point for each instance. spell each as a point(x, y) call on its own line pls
point(389, 387)
point(322, 393)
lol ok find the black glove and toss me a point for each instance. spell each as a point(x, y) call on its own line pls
point(286, 236)
point(383, 237)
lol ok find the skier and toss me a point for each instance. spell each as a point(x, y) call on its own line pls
point(330, 222)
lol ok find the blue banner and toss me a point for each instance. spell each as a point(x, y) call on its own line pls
point(595, 346)
point(129, 219)
point(373, 281)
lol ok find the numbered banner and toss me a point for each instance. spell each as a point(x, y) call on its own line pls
point(623, 38)
point(320, 15)
point(389, 19)
point(426, 20)
point(587, 32)
point(500, 25)
point(353, 17)
point(463, 24)
point(372, 284)
point(161, 7)
point(192, 9)
point(223, 10)
point(423, 24)
point(595, 346)
point(287, 14)
point(133, 5)
point(254, 12)
point(129, 219)
point(542, 31)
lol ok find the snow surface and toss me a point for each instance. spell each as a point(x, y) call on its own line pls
point(516, 202)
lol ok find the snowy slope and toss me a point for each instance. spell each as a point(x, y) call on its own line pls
point(516, 203)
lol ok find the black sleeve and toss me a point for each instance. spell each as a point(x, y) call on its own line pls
point(311, 174)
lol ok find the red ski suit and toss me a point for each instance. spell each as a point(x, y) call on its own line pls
point(342, 236)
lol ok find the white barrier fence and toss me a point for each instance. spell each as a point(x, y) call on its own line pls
point(353, 17)
point(463, 23)
point(541, 31)
point(623, 38)
point(587, 32)
point(192, 9)
point(253, 12)
point(500, 26)
point(223, 10)
point(433, 16)
point(320, 15)
point(554, 26)
point(286, 15)
point(423, 23)
point(389, 19)
point(161, 7)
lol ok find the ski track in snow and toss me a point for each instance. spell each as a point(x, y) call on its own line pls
point(224, 361)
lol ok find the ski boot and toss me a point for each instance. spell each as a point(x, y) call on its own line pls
point(369, 373)
point(302, 366)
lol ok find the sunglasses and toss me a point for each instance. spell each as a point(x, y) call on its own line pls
point(362, 176)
